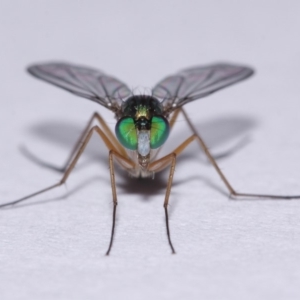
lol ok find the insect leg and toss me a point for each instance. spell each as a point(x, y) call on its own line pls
point(162, 163)
point(84, 133)
point(69, 169)
point(232, 191)
point(125, 162)
point(174, 117)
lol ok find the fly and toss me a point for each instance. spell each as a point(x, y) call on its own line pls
point(143, 121)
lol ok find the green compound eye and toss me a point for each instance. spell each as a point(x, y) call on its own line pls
point(159, 132)
point(126, 133)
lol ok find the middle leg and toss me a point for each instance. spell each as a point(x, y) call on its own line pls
point(232, 191)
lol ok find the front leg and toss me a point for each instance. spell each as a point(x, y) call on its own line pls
point(162, 163)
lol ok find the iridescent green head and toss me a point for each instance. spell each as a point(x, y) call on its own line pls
point(142, 126)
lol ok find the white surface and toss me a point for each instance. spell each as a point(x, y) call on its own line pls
point(53, 246)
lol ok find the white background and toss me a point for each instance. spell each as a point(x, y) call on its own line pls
point(52, 247)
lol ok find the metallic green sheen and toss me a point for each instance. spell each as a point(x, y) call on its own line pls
point(138, 105)
point(126, 133)
point(159, 132)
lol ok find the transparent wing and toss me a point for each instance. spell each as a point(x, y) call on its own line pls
point(85, 82)
point(197, 82)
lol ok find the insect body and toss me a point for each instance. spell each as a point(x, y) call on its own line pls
point(143, 128)
point(143, 121)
